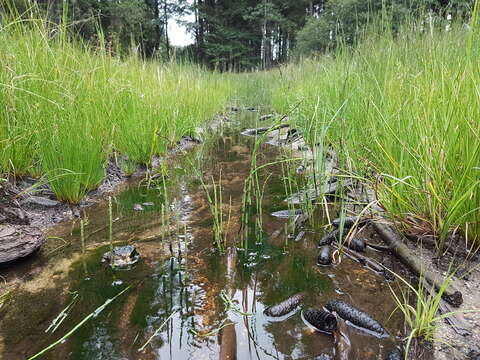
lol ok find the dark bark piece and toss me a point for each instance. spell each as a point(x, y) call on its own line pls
point(285, 306)
point(364, 260)
point(356, 244)
point(320, 320)
point(378, 247)
point(328, 238)
point(409, 258)
point(348, 221)
point(325, 255)
point(17, 242)
point(356, 316)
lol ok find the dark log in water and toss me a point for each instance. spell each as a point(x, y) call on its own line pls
point(356, 244)
point(330, 237)
point(319, 320)
point(349, 221)
point(324, 255)
point(362, 259)
point(409, 258)
point(355, 316)
point(285, 306)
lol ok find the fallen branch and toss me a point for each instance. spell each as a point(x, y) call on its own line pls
point(409, 258)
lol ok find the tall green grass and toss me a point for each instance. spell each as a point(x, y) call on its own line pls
point(406, 108)
point(66, 106)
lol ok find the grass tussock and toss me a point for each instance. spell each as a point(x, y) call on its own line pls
point(406, 109)
point(65, 106)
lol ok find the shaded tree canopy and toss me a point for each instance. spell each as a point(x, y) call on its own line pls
point(231, 35)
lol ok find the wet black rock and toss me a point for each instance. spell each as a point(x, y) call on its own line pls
point(356, 244)
point(285, 306)
point(324, 255)
point(395, 354)
point(328, 238)
point(123, 256)
point(348, 221)
point(319, 320)
point(356, 316)
point(19, 241)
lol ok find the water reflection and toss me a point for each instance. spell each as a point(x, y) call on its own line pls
point(198, 303)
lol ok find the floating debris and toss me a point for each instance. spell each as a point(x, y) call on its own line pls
point(284, 214)
point(285, 307)
point(319, 320)
point(325, 255)
point(123, 257)
point(356, 317)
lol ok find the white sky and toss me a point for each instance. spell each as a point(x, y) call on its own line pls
point(178, 34)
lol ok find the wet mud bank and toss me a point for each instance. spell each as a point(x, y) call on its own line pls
point(246, 284)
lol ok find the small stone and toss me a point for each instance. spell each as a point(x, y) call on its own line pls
point(138, 207)
point(149, 203)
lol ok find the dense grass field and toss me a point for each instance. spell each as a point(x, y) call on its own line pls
point(403, 111)
point(65, 108)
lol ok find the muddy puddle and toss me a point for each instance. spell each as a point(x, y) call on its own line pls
point(186, 300)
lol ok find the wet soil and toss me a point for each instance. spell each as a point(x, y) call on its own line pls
point(213, 300)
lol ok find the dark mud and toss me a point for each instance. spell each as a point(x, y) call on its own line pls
point(215, 302)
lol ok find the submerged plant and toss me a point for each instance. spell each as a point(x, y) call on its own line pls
point(215, 203)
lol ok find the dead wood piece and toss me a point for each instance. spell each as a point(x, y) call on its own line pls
point(19, 241)
point(378, 247)
point(364, 260)
point(409, 258)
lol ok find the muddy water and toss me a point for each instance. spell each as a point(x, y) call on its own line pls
point(213, 301)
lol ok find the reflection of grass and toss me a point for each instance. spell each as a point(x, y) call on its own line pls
point(156, 332)
point(93, 314)
point(5, 297)
point(215, 331)
point(230, 304)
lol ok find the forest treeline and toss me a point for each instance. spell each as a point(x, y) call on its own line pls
point(232, 35)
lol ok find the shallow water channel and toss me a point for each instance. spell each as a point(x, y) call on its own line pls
point(198, 303)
